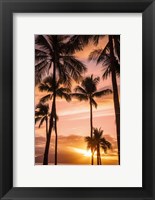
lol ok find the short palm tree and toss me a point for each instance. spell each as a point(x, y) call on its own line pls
point(97, 142)
point(52, 53)
point(87, 92)
point(62, 92)
point(100, 142)
point(42, 115)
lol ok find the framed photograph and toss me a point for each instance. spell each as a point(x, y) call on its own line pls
point(77, 99)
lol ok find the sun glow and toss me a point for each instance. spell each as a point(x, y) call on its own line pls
point(86, 153)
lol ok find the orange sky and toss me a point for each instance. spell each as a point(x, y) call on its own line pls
point(74, 121)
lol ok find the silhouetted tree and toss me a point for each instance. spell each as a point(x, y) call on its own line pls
point(60, 91)
point(100, 142)
point(87, 92)
point(42, 115)
point(52, 53)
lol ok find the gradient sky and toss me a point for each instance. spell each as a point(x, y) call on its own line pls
point(74, 121)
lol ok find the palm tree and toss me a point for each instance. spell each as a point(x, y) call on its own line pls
point(100, 142)
point(87, 92)
point(60, 91)
point(42, 115)
point(52, 54)
point(97, 142)
point(109, 56)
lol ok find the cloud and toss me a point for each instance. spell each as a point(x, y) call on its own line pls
point(66, 150)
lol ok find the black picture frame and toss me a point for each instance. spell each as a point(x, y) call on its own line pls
point(7, 8)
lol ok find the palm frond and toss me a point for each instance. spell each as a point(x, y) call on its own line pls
point(91, 143)
point(37, 119)
point(46, 98)
point(90, 84)
point(96, 80)
point(73, 45)
point(42, 109)
point(64, 38)
point(66, 96)
point(117, 45)
point(102, 93)
point(37, 113)
point(64, 76)
point(107, 67)
point(78, 42)
point(80, 97)
point(94, 103)
point(105, 145)
point(48, 80)
point(39, 66)
point(39, 52)
point(107, 73)
point(97, 132)
point(50, 40)
point(41, 121)
point(64, 90)
point(40, 71)
point(39, 105)
point(40, 59)
point(44, 87)
point(74, 67)
point(94, 55)
point(96, 38)
point(43, 43)
point(64, 93)
point(105, 54)
point(80, 90)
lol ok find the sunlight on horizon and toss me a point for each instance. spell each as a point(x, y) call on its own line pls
point(84, 152)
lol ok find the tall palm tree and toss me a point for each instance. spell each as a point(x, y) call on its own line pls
point(109, 56)
point(52, 54)
point(87, 92)
point(60, 91)
point(100, 142)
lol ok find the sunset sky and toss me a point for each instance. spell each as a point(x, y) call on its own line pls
point(74, 121)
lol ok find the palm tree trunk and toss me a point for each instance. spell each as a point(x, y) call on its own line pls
point(51, 116)
point(92, 157)
point(46, 127)
point(56, 136)
point(91, 130)
point(100, 160)
point(45, 161)
point(98, 157)
point(115, 94)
